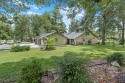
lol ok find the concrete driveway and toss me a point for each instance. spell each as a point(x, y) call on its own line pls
point(7, 46)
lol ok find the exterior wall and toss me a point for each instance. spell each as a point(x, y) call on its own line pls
point(83, 39)
point(95, 40)
point(62, 40)
point(59, 39)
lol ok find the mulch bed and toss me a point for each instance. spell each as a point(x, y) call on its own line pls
point(100, 72)
point(103, 72)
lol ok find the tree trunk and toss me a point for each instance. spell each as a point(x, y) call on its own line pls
point(104, 31)
point(103, 36)
point(123, 33)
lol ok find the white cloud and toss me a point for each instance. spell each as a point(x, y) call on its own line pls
point(66, 20)
point(32, 13)
point(80, 15)
point(33, 7)
point(17, 2)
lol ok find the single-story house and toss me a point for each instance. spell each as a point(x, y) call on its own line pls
point(73, 38)
point(60, 39)
point(81, 38)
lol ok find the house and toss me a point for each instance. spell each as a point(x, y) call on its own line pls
point(60, 39)
point(81, 38)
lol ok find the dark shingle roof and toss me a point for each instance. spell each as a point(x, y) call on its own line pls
point(73, 35)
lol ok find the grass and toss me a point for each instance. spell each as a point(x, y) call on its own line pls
point(11, 63)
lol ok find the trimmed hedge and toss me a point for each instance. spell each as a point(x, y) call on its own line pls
point(18, 48)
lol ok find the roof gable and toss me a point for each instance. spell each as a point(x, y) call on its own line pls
point(48, 34)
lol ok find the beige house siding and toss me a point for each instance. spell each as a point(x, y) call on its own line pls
point(84, 39)
point(62, 40)
point(59, 39)
point(94, 40)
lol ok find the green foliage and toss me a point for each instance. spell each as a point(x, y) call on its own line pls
point(23, 29)
point(5, 31)
point(27, 48)
point(18, 48)
point(31, 73)
point(50, 44)
point(56, 21)
point(71, 69)
point(119, 57)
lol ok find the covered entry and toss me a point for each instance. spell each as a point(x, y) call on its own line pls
point(71, 42)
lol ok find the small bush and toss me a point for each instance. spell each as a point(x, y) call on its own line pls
point(31, 73)
point(119, 57)
point(18, 48)
point(27, 48)
point(71, 69)
point(50, 44)
point(15, 48)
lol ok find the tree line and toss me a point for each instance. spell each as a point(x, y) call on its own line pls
point(104, 17)
point(27, 27)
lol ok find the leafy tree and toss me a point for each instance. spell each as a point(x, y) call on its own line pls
point(13, 6)
point(22, 27)
point(92, 9)
point(74, 25)
point(36, 23)
point(120, 15)
point(57, 22)
point(6, 31)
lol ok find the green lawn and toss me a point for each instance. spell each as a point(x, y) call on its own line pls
point(12, 62)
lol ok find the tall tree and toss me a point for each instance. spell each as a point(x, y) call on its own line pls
point(6, 31)
point(21, 26)
point(57, 22)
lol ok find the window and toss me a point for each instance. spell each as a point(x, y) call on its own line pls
point(87, 33)
point(56, 39)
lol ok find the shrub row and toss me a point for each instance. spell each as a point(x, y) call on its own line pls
point(18, 48)
point(70, 70)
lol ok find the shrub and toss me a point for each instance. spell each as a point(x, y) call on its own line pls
point(31, 73)
point(119, 57)
point(18, 48)
point(71, 69)
point(27, 48)
point(50, 44)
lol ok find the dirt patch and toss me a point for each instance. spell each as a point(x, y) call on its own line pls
point(103, 72)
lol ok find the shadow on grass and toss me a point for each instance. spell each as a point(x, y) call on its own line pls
point(11, 71)
point(103, 47)
point(89, 56)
